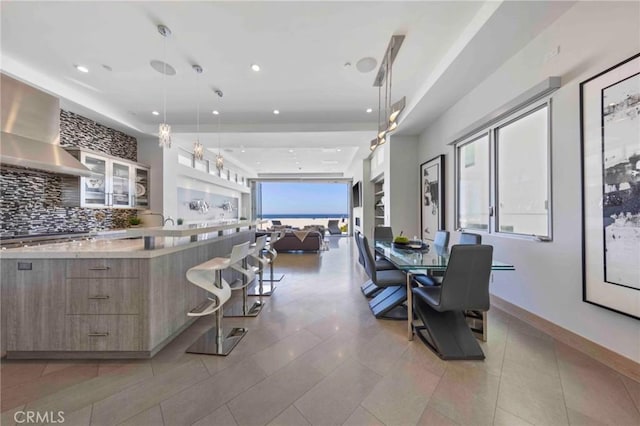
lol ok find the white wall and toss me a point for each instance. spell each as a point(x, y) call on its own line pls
point(167, 176)
point(403, 185)
point(151, 154)
point(592, 36)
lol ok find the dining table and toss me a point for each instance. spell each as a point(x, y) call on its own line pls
point(425, 260)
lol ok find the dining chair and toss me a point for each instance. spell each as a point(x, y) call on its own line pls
point(441, 242)
point(441, 239)
point(469, 238)
point(382, 233)
point(369, 288)
point(388, 303)
point(465, 286)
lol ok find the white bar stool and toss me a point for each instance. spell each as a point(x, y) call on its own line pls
point(256, 253)
point(248, 276)
point(208, 276)
point(272, 253)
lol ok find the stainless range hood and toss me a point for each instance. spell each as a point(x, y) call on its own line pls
point(31, 130)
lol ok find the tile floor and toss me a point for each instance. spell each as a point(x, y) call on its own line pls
point(316, 356)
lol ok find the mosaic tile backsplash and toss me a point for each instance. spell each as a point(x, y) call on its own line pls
point(30, 202)
point(80, 132)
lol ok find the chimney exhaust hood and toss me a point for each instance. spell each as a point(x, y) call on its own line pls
point(31, 130)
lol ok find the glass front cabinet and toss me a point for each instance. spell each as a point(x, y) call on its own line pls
point(113, 182)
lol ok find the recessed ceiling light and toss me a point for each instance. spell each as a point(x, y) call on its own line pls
point(242, 150)
point(215, 112)
point(257, 162)
point(155, 113)
point(369, 110)
point(162, 67)
point(255, 67)
point(82, 68)
point(276, 111)
point(366, 64)
point(338, 150)
point(290, 150)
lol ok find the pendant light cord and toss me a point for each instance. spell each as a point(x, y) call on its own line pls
point(198, 107)
point(164, 78)
point(219, 114)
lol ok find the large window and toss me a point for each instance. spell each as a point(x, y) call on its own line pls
point(304, 200)
point(473, 184)
point(503, 176)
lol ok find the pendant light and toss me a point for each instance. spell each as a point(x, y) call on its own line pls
point(219, 157)
point(198, 148)
point(387, 121)
point(164, 131)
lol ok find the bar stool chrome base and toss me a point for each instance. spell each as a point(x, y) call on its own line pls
point(212, 344)
point(241, 311)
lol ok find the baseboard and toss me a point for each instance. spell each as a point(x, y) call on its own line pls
point(78, 355)
point(620, 363)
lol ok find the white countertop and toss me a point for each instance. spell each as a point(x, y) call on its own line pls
point(187, 230)
point(107, 248)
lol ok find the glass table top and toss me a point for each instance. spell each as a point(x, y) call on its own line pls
point(434, 258)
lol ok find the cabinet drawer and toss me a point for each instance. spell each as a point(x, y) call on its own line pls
point(102, 296)
point(102, 333)
point(103, 268)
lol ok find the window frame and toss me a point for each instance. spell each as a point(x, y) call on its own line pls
point(492, 131)
point(471, 139)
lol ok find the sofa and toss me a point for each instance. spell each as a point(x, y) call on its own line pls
point(290, 242)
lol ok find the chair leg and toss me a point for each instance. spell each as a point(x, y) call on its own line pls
point(369, 289)
point(389, 303)
point(447, 333)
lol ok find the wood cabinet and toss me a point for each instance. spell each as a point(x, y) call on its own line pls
point(114, 182)
point(103, 307)
point(103, 332)
point(102, 296)
point(72, 305)
point(34, 302)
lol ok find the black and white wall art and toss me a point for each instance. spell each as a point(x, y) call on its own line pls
point(431, 197)
point(610, 114)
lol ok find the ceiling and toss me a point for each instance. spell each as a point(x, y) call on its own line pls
point(301, 47)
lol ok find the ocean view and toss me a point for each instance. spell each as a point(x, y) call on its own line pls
point(305, 216)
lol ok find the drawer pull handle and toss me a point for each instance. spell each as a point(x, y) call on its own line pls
point(99, 268)
point(98, 334)
point(98, 297)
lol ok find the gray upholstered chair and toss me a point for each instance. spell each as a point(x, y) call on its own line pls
point(334, 227)
point(382, 233)
point(441, 242)
point(369, 288)
point(442, 239)
point(469, 238)
point(388, 303)
point(465, 286)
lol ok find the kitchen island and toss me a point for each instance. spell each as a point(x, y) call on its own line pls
point(107, 298)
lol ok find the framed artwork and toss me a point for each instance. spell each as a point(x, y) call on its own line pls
point(431, 197)
point(610, 136)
